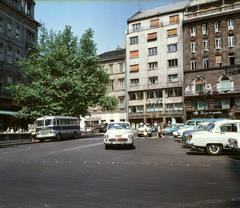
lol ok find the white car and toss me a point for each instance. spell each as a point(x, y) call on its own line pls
point(119, 133)
point(140, 130)
point(215, 139)
point(234, 143)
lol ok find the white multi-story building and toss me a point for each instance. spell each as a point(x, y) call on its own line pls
point(114, 63)
point(154, 63)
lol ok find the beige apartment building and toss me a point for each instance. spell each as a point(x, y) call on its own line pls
point(154, 64)
point(114, 63)
point(212, 59)
point(18, 30)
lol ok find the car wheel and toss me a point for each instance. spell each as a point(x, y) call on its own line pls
point(107, 146)
point(138, 135)
point(131, 146)
point(214, 149)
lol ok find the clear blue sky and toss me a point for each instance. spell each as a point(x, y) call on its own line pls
point(108, 18)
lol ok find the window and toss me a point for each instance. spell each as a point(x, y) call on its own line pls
point(172, 62)
point(218, 60)
point(121, 84)
point(112, 85)
point(121, 103)
point(205, 44)
point(1, 81)
point(134, 68)
point(9, 80)
point(17, 33)
point(230, 24)
point(152, 80)
point(29, 9)
point(193, 31)
point(152, 51)
point(218, 42)
point(225, 84)
point(136, 27)
point(111, 69)
point(198, 86)
point(1, 25)
point(154, 23)
point(217, 26)
point(17, 55)
point(9, 55)
point(152, 65)
point(155, 107)
point(193, 64)
point(152, 36)
point(173, 106)
point(204, 29)
point(9, 29)
point(199, 105)
point(172, 33)
point(136, 109)
point(134, 82)
point(134, 40)
point(231, 59)
point(154, 94)
point(173, 78)
point(136, 95)
point(230, 41)
point(173, 93)
point(1, 52)
point(205, 62)
point(221, 103)
point(229, 127)
point(133, 54)
point(120, 68)
point(174, 19)
point(172, 48)
point(193, 46)
point(237, 100)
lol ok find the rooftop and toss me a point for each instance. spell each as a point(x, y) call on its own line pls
point(113, 54)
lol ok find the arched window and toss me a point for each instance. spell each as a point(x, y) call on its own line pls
point(225, 84)
point(1, 52)
point(9, 55)
point(198, 86)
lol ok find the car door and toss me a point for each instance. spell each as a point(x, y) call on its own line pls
point(229, 130)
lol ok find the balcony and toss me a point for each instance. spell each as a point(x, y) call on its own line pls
point(218, 10)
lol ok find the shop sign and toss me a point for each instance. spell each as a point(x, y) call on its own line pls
point(158, 114)
point(93, 117)
point(204, 112)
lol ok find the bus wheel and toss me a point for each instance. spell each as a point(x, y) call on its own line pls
point(41, 140)
point(59, 137)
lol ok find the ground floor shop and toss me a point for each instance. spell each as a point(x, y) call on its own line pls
point(164, 118)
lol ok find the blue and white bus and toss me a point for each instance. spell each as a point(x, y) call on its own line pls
point(57, 127)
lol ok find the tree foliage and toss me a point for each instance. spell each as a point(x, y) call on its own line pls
point(67, 77)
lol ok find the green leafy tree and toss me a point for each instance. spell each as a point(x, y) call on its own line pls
point(67, 77)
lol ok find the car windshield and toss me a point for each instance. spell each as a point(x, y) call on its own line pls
point(119, 126)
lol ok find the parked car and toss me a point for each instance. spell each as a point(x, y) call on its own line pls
point(234, 143)
point(200, 127)
point(171, 128)
point(140, 130)
point(215, 139)
point(119, 133)
point(154, 129)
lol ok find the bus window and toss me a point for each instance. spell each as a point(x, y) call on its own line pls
point(49, 122)
point(40, 123)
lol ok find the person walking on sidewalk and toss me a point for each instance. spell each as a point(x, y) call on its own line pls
point(159, 132)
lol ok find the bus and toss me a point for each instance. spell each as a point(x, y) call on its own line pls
point(57, 127)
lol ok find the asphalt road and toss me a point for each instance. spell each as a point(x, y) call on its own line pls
point(81, 173)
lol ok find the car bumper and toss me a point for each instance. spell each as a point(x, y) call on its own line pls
point(122, 141)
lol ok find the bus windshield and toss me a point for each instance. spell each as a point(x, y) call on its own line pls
point(40, 123)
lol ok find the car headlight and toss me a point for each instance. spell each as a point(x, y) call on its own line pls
point(130, 137)
point(106, 137)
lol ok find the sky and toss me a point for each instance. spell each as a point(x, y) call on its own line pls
point(107, 18)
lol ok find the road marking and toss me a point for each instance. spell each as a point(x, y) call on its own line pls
point(75, 148)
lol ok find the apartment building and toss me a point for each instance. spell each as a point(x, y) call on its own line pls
point(212, 59)
point(18, 30)
point(114, 63)
point(154, 62)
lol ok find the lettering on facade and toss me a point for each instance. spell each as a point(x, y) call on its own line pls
point(93, 117)
point(217, 112)
point(154, 101)
point(158, 114)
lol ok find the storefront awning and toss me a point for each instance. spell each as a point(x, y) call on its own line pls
point(5, 112)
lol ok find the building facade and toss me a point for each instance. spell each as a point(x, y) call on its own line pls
point(154, 57)
point(114, 63)
point(18, 30)
point(211, 31)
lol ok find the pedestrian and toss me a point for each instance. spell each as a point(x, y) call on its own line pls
point(159, 129)
point(145, 133)
point(8, 130)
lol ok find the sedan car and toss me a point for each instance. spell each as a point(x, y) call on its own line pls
point(119, 133)
point(154, 129)
point(140, 130)
point(170, 129)
point(215, 139)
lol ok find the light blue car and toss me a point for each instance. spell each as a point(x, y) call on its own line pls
point(171, 128)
